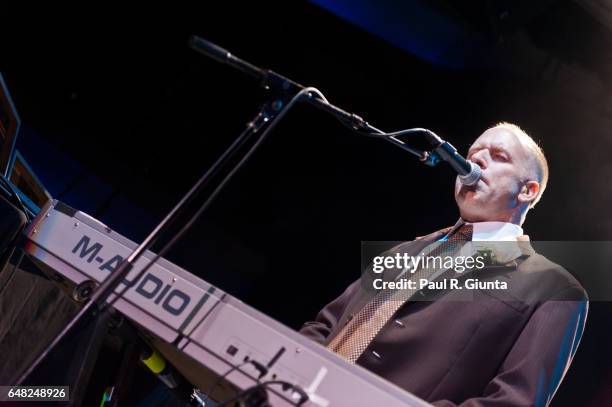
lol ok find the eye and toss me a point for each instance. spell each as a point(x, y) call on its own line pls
point(501, 156)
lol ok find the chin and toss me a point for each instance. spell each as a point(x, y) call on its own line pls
point(469, 217)
point(472, 212)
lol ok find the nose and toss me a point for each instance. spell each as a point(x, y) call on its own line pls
point(480, 158)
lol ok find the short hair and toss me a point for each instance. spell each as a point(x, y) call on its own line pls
point(541, 165)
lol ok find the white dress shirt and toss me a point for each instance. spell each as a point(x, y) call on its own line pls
point(490, 231)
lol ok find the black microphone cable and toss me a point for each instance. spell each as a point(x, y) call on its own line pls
point(285, 386)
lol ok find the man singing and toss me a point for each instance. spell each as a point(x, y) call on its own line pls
point(504, 347)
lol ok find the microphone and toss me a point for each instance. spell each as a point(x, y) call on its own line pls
point(469, 172)
point(224, 56)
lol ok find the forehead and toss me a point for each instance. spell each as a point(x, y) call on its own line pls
point(503, 139)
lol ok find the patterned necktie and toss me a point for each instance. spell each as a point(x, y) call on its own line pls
point(357, 334)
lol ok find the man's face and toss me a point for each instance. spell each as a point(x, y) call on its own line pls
point(505, 164)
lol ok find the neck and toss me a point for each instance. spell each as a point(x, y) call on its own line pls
point(518, 219)
point(515, 217)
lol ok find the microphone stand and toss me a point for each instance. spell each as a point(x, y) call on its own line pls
point(284, 93)
point(264, 118)
point(267, 76)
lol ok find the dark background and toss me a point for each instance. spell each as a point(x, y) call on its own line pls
point(121, 117)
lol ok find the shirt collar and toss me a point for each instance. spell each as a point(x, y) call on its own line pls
point(492, 231)
point(495, 232)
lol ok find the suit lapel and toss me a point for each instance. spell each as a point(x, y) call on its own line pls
point(414, 248)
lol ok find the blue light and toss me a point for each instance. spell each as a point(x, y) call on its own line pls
point(413, 26)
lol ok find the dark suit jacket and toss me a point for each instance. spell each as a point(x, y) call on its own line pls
point(504, 348)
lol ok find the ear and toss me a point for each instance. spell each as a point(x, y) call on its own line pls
point(529, 192)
